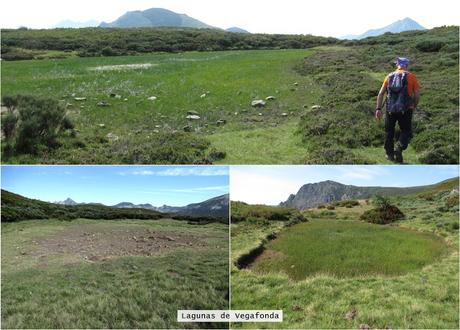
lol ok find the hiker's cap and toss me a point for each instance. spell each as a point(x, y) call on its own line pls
point(402, 61)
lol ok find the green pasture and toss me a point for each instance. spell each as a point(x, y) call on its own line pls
point(336, 272)
point(63, 290)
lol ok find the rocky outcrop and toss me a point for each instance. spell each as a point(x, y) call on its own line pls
point(314, 194)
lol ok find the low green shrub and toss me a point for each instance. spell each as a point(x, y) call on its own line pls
point(35, 125)
point(259, 213)
point(332, 155)
point(162, 148)
point(383, 213)
point(429, 45)
point(349, 203)
point(327, 214)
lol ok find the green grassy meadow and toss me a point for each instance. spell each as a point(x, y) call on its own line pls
point(341, 77)
point(347, 249)
point(336, 272)
point(230, 80)
point(49, 282)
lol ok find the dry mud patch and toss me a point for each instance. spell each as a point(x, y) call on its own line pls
point(93, 243)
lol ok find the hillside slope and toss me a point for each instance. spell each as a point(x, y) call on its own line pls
point(16, 207)
point(314, 194)
point(214, 207)
point(350, 78)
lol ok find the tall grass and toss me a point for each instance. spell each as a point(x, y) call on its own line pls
point(346, 248)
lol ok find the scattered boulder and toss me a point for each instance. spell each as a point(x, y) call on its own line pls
point(258, 103)
point(157, 126)
point(270, 98)
point(260, 113)
point(296, 84)
point(152, 98)
point(203, 95)
point(80, 98)
point(351, 315)
point(193, 113)
point(116, 96)
point(103, 104)
point(156, 131)
point(315, 107)
point(221, 122)
point(284, 114)
point(297, 308)
point(112, 137)
point(125, 99)
point(102, 125)
point(193, 117)
point(187, 128)
point(236, 113)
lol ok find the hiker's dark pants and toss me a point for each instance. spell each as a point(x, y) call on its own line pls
point(405, 125)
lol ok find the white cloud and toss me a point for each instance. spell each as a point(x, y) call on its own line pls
point(194, 171)
point(196, 190)
point(260, 188)
point(367, 173)
point(143, 172)
point(181, 171)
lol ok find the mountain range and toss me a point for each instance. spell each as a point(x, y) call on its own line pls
point(406, 24)
point(314, 194)
point(214, 207)
point(160, 17)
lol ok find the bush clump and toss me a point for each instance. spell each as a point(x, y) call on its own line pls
point(33, 124)
point(429, 45)
point(349, 203)
point(262, 213)
point(164, 148)
point(383, 213)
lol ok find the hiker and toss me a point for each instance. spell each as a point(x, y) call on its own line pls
point(403, 94)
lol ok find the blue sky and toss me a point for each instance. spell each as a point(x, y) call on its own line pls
point(157, 185)
point(273, 184)
point(325, 17)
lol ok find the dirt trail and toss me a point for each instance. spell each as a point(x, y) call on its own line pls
point(96, 243)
